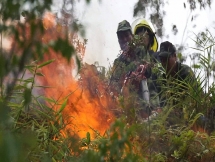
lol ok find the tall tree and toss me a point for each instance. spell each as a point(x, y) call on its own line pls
point(157, 15)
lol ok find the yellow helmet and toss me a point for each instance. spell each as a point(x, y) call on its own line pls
point(143, 23)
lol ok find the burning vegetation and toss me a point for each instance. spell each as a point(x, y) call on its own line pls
point(88, 105)
point(83, 107)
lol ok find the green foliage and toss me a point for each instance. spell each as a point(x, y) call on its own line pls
point(114, 146)
point(64, 46)
point(156, 12)
point(184, 130)
point(12, 9)
point(30, 130)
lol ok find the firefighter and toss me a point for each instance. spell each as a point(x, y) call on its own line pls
point(124, 35)
point(133, 65)
point(176, 74)
point(173, 68)
point(178, 84)
point(142, 27)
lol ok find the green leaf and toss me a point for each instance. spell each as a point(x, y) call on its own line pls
point(29, 80)
point(19, 87)
point(32, 70)
point(197, 49)
point(27, 96)
point(40, 74)
point(196, 66)
point(10, 104)
point(46, 63)
point(50, 100)
point(62, 107)
point(88, 138)
point(64, 46)
point(43, 114)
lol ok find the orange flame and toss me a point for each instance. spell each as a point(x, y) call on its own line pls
point(88, 104)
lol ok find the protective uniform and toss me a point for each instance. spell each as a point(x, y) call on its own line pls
point(152, 56)
point(129, 60)
point(121, 62)
point(183, 76)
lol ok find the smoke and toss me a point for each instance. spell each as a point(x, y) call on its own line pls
point(100, 21)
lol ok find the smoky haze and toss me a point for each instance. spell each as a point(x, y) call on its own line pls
point(101, 18)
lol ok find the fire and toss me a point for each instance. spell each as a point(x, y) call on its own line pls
point(88, 105)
